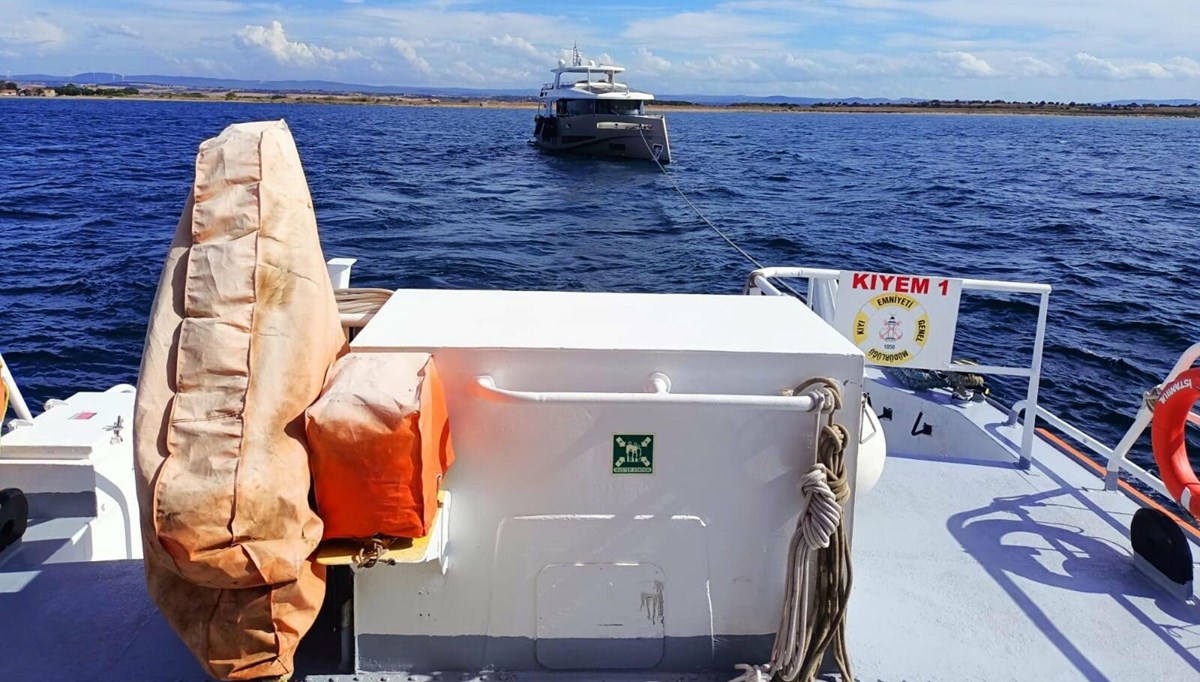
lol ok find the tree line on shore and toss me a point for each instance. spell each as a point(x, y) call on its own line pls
point(69, 90)
point(72, 90)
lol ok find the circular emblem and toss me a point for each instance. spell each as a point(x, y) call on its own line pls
point(891, 329)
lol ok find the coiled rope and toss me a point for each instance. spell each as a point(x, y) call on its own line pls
point(360, 301)
point(805, 633)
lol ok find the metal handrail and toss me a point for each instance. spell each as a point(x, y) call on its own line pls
point(658, 392)
point(1117, 459)
point(759, 280)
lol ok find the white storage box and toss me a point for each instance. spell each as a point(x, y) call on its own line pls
point(595, 526)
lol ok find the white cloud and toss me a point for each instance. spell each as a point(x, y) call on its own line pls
point(876, 65)
point(723, 67)
point(1032, 67)
point(647, 62)
point(801, 69)
point(198, 65)
point(34, 31)
point(964, 64)
point(1085, 65)
point(120, 30)
point(1183, 67)
point(461, 26)
point(1165, 24)
point(408, 52)
point(206, 7)
point(516, 45)
point(274, 41)
point(709, 31)
point(467, 73)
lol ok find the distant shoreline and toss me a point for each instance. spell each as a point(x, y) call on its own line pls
point(937, 108)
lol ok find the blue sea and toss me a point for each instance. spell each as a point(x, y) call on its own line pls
point(1106, 210)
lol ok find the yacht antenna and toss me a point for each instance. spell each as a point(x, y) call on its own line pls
point(576, 58)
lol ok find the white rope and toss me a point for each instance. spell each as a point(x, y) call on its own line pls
point(360, 301)
point(820, 515)
point(693, 206)
point(702, 217)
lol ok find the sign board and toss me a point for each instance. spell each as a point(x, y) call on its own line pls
point(899, 320)
point(633, 454)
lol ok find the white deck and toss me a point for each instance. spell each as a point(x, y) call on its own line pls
point(970, 569)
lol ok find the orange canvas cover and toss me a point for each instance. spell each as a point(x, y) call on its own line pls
point(242, 333)
point(380, 442)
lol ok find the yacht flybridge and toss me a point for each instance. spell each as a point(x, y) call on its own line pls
point(579, 486)
point(587, 111)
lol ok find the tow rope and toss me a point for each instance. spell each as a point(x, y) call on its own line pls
point(693, 206)
point(703, 218)
point(806, 632)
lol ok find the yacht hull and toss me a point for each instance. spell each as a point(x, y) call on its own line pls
point(626, 137)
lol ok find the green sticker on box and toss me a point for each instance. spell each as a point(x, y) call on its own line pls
point(633, 454)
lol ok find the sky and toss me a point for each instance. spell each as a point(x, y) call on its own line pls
point(1055, 50)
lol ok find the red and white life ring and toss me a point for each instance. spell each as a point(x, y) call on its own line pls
point(1170, 446)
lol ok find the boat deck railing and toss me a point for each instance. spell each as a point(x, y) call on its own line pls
point(1117, 459)
point(822, 289)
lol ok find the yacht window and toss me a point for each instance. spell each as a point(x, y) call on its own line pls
point(623, 107)
point(580, 107)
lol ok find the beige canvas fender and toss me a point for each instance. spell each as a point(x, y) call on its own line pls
point(241, 335)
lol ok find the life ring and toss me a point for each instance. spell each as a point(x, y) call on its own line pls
point(1170, 444)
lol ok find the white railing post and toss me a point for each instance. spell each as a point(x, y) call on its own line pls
point(1035, 376)
point(14, 394)
point(339, 271)
point(1112, 469)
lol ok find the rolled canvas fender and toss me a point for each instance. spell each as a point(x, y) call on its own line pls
point(243, 330)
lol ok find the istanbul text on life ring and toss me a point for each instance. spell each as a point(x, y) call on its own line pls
point(1170, 444)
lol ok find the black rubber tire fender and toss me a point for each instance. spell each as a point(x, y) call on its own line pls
point(14, 516)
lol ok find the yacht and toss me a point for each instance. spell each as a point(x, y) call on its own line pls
point(587, 111)
point(323, 483)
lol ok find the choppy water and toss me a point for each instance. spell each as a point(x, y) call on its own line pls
point(1107, 210)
